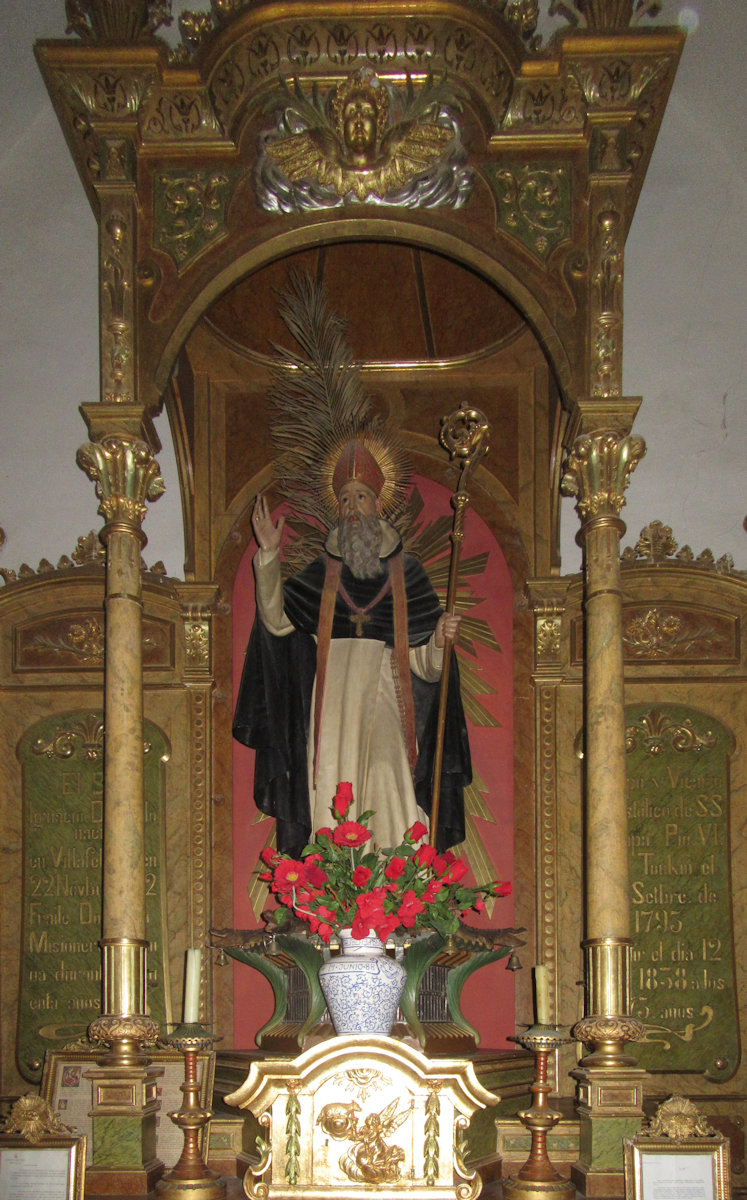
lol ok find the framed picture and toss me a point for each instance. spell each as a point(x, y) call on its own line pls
point(52, 1168)
point(688, 1169)
point(68, 1092)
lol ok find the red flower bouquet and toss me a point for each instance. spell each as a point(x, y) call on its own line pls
point(342, 880)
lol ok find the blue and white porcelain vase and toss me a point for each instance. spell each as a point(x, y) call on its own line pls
point(362, 986)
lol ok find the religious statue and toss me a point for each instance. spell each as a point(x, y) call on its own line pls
point(365, 143)
point(341, 679)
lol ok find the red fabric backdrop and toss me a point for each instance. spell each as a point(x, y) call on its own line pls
point(488, 998)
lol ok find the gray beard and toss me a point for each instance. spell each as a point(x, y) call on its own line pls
point(360, 543)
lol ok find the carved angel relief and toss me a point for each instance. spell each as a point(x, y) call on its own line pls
point(365, 142)
point(369, 1159)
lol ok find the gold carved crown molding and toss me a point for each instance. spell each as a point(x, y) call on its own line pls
point(656, 547)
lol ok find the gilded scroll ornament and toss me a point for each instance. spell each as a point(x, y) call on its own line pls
point(105, 23)
point(116, 306)
point(197, 640)
point(656, 546)
point(107, 93)
point(534, 204)
point(88, 732)
point(597, 472)
point(596, 1030)
point(654, 732)
point(126, 475)
point(83, 639)
point(548, 639)
point(365, 142)
point(677, 1118)
point(33, 1118)
point(607, 279)
point(190, 212)
point(546, 103)
point(138, 1029)
point(604, 16)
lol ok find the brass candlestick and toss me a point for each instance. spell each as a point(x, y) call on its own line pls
point(191, 1177)
point(538, 1177)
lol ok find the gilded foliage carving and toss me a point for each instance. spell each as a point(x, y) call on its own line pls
point(534, 204)
point(597, 472)
point(102, 22)
point(655, 732)
point(605, 16)
point(126, 475)
point(190, 212)
point(607, 281)
point(543, 103)
point(657, 547)
point(661, 632)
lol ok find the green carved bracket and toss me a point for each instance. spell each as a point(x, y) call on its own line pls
point(456, 980)
point(416, 961)
point(308, 959)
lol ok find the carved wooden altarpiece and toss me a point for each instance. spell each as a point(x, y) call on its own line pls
point(475, 244)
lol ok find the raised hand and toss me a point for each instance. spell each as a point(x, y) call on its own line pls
point(267, 533)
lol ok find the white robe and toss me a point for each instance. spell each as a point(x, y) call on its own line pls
point(361, 739)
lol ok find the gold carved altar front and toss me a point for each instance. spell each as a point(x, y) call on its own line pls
point(357, 1113)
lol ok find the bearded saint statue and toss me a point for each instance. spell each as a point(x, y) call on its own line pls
point(342, 674)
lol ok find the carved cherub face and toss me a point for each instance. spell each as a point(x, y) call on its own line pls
point(360, 108)
point(359, 123)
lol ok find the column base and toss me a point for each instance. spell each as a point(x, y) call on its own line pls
point(123, 1181)
point(610, 1108)
point(527, 1189)
point(191, 1189)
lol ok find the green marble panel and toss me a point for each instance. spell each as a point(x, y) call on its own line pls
point(600, 1140)
point(60, 986)
point(683, 981)
point(120, 1141)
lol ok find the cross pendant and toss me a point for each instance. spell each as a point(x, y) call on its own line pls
point(359, 619)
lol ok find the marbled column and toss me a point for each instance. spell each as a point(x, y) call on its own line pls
point(597, 473)
point(610, 1085)
point(126, 475)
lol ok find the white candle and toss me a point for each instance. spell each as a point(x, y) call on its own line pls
point(192, 988)
point(541, 996)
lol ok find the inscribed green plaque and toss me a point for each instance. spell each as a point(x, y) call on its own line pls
point(63, 793)
point(683, 981)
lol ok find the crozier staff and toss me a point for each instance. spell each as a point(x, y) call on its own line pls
point(341, 680)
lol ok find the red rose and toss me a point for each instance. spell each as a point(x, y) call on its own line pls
point(424, 855)
point(479, 905)
point(371, 903)
point(315, 875)
point(361, 926)
point(416, 832)
point(350, 833)
point(502, 889)
point(325, 832)
point(343, 798)
point(386, 925)
point(269, 856)
point(361, 876)
point(325, 932)
point(456, 871)
point(409, 909)
point(432, 890)
point(288, 874)
point(395, 867)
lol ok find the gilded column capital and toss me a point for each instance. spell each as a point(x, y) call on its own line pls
point(126, 474)
point(597, 472)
